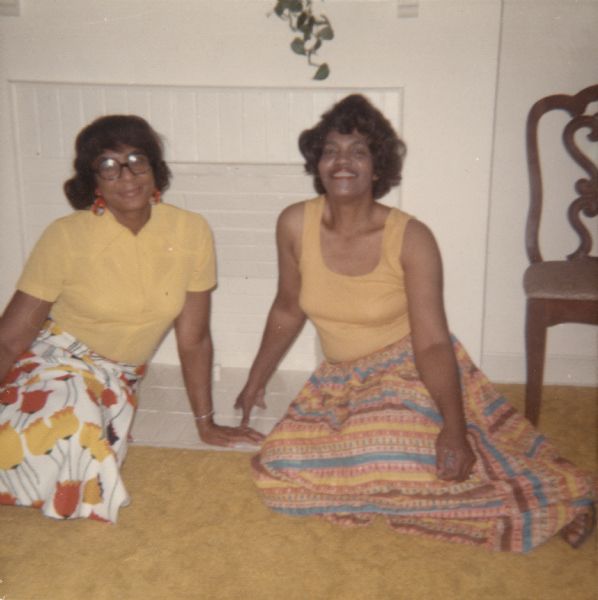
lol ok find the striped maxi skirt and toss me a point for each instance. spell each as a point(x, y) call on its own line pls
point(65, 415)
point(359, 441)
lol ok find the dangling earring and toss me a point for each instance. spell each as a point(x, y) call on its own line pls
point(156, 197)
point(99, 205)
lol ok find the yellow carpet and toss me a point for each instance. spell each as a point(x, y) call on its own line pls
point(197, 530)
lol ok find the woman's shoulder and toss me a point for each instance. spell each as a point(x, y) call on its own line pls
point(174, 218)
point(176, 213)
point(419, 242)
point(292, 216)
point(291, 219)
point(400, 217)
point(292, 212)
point(290, 222)
point(418, 231)
point(69, 223)
point(295, 212)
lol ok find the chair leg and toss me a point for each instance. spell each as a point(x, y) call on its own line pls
point(535, 348)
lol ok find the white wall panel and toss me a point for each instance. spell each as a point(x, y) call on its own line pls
point(546, 48)
point(27, 123)
point(447, 61)
point(234, 157)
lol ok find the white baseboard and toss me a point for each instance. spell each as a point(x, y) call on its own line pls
point(500, 368)
point(559, 370)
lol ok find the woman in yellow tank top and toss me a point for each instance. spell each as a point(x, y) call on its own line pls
point(397, 421)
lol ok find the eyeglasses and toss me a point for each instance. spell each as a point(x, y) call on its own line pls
point(110, 168)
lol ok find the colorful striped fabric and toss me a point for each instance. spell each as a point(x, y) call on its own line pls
point(65, 415)
point(359, 441)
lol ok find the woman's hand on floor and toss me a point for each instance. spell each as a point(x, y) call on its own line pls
point(247, 399)
point(454, 456)
point(221, 435)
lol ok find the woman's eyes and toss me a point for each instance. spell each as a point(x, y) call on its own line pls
point(353, 152)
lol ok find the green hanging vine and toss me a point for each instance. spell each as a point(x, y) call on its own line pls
point(313, 30)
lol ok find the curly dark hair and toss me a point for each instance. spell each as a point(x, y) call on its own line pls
point(111, 133)
point(356, 113)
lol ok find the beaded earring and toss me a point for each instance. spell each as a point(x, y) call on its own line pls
point(156, 197)
point(99, 206)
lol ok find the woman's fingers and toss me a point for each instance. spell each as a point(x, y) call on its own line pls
point(246, 401)
point(219, 435)
point(454, 465)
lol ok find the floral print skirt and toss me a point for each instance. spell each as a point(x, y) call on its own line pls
point(65, 415)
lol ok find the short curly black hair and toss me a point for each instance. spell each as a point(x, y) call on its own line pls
point(112, 132)
point(356, 113)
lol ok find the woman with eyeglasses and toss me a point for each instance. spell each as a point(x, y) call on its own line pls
point(97, 294)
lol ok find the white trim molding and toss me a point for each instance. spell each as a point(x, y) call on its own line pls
point(558, 369)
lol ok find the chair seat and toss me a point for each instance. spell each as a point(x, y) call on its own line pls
point(562, 279)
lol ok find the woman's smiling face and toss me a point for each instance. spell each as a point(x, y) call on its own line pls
point(128, 192)
point(346, 167)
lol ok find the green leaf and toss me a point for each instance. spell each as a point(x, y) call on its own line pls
point(281, 6)
point(322, 20)
point(306, 27)
point(322, 72)
point(298, 46)
point(325, 33)
point(301, 19)
point(295, 5)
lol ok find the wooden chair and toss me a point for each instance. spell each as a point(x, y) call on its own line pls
point(559, 291)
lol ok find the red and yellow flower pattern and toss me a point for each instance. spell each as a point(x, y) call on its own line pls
point(11, 450)
point(65, 415)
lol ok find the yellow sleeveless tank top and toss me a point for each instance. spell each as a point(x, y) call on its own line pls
point(354, 315)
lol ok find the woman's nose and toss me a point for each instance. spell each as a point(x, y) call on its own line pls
point(125, 172)
point(342, 157)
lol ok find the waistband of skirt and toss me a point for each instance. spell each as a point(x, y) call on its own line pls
point(52, 334)
point(398, 347)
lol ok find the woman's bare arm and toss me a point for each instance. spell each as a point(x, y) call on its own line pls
point(285, 319)
point(19, 325)
point(434, 355)
point(194, 343)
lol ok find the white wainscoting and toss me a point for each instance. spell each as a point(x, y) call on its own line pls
point(234, 157)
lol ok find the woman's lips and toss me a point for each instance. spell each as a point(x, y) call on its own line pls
point(343, 175)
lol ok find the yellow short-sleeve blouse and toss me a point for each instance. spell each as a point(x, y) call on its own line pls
point(117, 292)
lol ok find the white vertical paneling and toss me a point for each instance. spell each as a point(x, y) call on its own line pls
point(50, 134)
point(115, 100)
point(92, 102)
point(301, 115)
point(276, 126)
point(377, 97)
point(161, 115)
point(184, 120)
point(138, 102)
point(253, 122)
point(391, 105)
point(71, 117)
point(231, 126)
point(234, 157)
point(207, 111)
point(226, 125)
point(321, 103)
point(26, 120)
